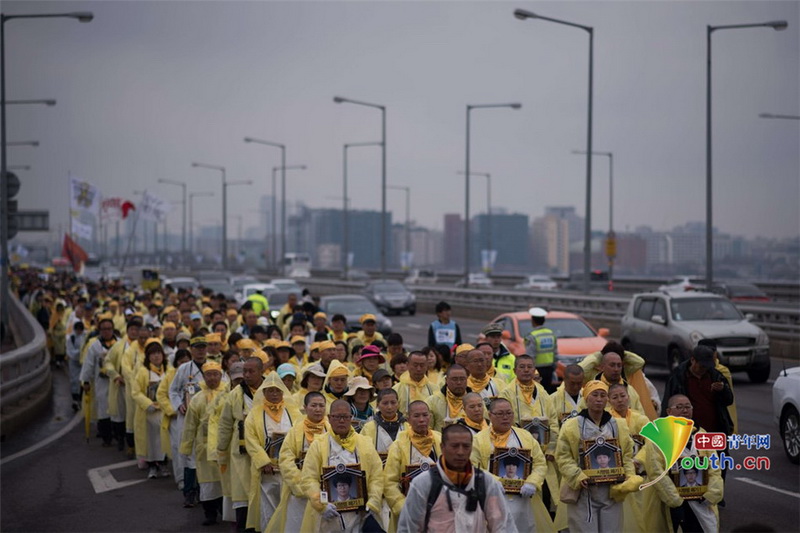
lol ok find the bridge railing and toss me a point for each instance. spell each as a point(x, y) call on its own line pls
point(24, 371)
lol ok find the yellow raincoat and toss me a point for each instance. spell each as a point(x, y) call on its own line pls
point(113, 368)
point(632, 507)
point(706, 511)
point(541, 407)
point(330, 397)
point(295, 445)
point(168, 414)
point(409, 390)
point(195, 431)
point(141, 396)
point(130, 362)
point(401, 455)
point(255, 431)
point(523, 509)
point(229, 452)
point(633, 370)
point(318, 456)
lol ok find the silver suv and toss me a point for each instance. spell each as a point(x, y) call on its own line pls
point(664, 327)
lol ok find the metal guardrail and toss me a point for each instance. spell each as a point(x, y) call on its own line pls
point(779, 323)
point(24, 370)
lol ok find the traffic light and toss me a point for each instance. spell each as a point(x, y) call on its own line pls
point(12, 188)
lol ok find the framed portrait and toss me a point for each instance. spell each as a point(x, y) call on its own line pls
point(346, 485)
point(601, 460)
point(273, 445)
point(512, 466)
point(539, 427)
point(413, 471)
point(691, 483)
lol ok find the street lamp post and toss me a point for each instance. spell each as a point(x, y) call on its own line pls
point(522, 14)
point(224, 210)
point(346, 200)
point(488, 177)
point(192, 196)
point(776, 25)
point(384, 238)
point(181, 184)
point(408, 216)
point(611, 239)
point(81, 16)
point(283, 170)
point(283, 193)
point(467, 174)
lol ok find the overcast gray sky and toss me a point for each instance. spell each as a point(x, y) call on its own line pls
point(148, 87)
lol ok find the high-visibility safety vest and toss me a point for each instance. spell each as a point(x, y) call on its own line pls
point(541, 343)
point(260, 303)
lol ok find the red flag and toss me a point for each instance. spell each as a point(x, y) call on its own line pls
point(72, 251)
point(126, 208)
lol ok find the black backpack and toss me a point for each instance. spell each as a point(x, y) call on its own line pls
point(475, 497)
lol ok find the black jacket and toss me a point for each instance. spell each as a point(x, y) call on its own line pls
point(676, 384)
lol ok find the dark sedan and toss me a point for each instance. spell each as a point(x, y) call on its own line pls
point(391, 296)
point(352, 306)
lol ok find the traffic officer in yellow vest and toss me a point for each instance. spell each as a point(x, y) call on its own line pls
point(542, 345)
point(502, 359)
point(260, 303)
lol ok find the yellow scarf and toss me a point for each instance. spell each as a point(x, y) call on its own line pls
point(491, 372)
point(312, 430)
point(477, 427)
point(459, 479)
point(627, 416)
point(274, 410)
point(423, 443)
point(157, 369)
point(455, 404)
point(366, 373)
point(604, 380)
point(349, 442)
point(527, 391)
point(386, 419)
point(478, 385)
point(499, 439)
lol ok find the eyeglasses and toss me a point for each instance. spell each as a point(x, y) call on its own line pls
point(340, 417)
point(682, 406)
point(503, 414)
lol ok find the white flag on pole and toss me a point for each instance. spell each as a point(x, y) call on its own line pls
point(84, 197)
point(154, 208)
point(81, 230)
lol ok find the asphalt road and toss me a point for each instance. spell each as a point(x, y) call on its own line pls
point(49, 489)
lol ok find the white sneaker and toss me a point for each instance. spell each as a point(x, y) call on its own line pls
point(152, 473)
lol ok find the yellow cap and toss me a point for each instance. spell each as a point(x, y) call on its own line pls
point(210, 366)
point(326, 345)
point(297, 338)
point(314, 347)
point(213, 337)
point(152, 340)
point(261, 354)
point(320, 314)
point(283, 344)
point(367, 316)
point(168, 324)
point(207, 311)
point(232, 312)
point(272, 342)
point(463, 348)
point(246, 344)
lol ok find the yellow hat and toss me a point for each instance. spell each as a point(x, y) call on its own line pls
point(213, 337)
point(592, 386)
point(463, 348)
point(196, 341)
point(232, 312)
point(261, 354)
point(297, 338)
point(367, 316)
point(207, 311)
point(152, 340)
point(103, 317)
point(168, 324)
point(314, 347)
point(246, 344)
point(272, 342)
point(210, 366)
point(283, 344)
point(169, 309)
point(340, 370)
point(320, 314)
point(326, 345)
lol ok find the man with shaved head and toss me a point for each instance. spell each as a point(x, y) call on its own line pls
point(447, 404)
point(611, 373)
point(479, 380)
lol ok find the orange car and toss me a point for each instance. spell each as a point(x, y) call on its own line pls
point(576, 337)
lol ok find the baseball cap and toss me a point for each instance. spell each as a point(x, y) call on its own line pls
point(236, 370)
point(286, 369)
point(367, 317)
point(379, 375)
point(198, 341)
point(196, 316)
point(495, 328)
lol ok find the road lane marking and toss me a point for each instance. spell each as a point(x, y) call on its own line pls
point(416, 326)
point(54, 437)
point(768, 487)
point(104, 481)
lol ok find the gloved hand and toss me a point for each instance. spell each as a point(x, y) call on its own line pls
point(330, 512)
point(151, 409)
point(620, 490)
point(528, 490)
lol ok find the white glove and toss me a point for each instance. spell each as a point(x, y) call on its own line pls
point(330, 512)
point(528, 490)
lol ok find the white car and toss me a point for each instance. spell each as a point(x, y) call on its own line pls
point(420, 276)
point(683, 284)
point(475, 280)
point(786, 410)
point(286, 284)
point(537, 282)
point(190, 284)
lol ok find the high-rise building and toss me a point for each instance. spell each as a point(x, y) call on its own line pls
point(326, 227)
point(550, 244)
point(575, 223)
point(453, 241)
point(509, 237)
